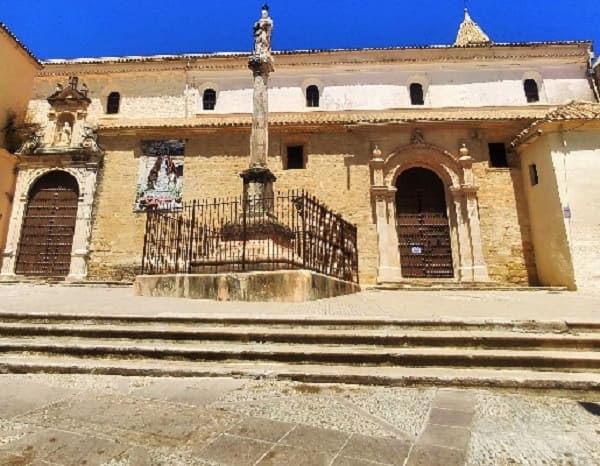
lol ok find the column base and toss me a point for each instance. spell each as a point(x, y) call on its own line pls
point(478, 273)
point(389, 274)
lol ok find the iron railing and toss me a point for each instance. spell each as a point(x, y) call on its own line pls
point(289, 230)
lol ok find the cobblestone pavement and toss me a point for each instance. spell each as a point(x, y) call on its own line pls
point(120, 421)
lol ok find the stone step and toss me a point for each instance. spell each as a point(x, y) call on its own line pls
point(547, 381)
point(377, 337)
point(307, 354)
point(445, 285)
point(554, 326)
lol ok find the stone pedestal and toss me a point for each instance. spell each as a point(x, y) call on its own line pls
point(258, 194)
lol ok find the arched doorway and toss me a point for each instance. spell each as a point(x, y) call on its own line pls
point(48, 226)
point(422, 225)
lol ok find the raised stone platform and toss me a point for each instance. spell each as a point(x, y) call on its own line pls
point(281, 286)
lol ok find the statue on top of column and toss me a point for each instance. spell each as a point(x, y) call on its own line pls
point(263, 30)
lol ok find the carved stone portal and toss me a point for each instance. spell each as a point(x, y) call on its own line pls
point(462, 204)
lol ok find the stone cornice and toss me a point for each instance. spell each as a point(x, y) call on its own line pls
point(314, 58)
point(342, 119)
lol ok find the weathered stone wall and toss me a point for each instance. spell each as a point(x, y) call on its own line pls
point(117, 232)
point(505, 229)
point(337, 172)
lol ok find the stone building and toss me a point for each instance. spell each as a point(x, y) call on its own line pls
point(19, 68)
point(412, 144)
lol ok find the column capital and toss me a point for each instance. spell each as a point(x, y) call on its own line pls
point(464, 190)
point(383, 192)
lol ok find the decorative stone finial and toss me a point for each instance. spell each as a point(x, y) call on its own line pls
point(470, 33)
point(377, 153)
point(465, 156)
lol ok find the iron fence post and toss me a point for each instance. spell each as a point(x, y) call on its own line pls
point(191, 233)
point(245, 205)
point(145, 242)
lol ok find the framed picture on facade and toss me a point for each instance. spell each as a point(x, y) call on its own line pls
point(160, 179)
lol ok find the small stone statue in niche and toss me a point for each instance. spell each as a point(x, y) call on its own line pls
point(263, 29)
point(64, 137)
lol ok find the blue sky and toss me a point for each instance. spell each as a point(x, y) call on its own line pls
point(89, 28)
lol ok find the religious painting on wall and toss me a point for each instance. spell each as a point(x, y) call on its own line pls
point(160, 179)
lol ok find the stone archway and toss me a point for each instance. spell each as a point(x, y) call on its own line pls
point(46, 238)
point(456, 177)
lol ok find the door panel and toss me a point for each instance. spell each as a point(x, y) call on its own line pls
point(48, 227)
point(422, 225)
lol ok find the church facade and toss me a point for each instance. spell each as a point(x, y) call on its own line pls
point(426, 149)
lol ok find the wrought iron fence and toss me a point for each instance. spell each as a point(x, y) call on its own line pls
point(289, 230)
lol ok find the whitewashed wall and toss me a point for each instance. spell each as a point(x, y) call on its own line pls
point(178, 93)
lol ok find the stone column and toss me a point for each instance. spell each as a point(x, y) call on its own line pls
point(9, 255)
point(384, 198)
point(83, 227)
point(471, 265)
point(479, 267)
point(258, 179)
point(465, 256)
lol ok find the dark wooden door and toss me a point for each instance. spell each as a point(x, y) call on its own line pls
point(48, 227)
point(422, 225)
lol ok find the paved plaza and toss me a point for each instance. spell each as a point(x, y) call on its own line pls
point(118, 421)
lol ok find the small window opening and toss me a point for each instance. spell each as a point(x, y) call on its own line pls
point(295, 158)
point(209, 99)
point(312, 96)
point(533, 174)
point(531, 91)
point(498, 157)
point(416, 94)
point(113, 103)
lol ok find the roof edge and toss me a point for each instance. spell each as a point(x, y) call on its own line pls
point(208, 55)
point(21, 45)
point(571, 111)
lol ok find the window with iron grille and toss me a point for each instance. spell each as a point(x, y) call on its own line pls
point(209, 99)
point(531, 90)
point(113, 102)
point(416, 94)
point(312, 96)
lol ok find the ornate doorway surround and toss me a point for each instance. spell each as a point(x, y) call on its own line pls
point(456, 175)
point(65, 147)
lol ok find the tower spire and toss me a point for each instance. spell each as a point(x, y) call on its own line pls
point(470, 33)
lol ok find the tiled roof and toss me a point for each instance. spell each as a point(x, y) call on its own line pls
point(573, 111)
point(4, 28)
point(470, 33)
point(333, 118)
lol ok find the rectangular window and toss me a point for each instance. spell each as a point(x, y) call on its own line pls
point(498, 155)
point(533, 174)
point(295, 158)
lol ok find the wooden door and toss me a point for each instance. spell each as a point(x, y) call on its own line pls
point(48, 227)
point(422, 225)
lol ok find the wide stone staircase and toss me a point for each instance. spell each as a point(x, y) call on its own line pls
point(531, 355)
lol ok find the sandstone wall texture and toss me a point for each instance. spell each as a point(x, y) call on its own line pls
point(336, 171)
